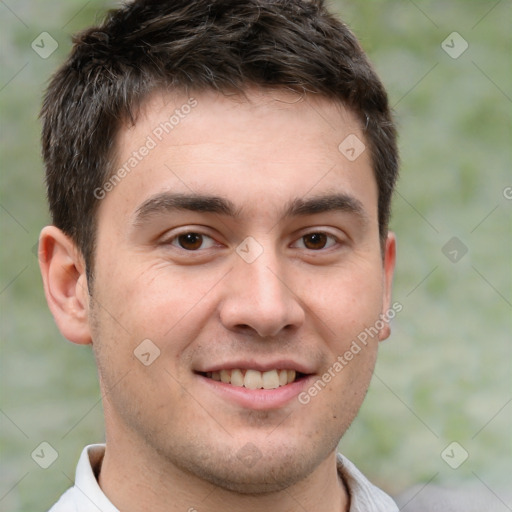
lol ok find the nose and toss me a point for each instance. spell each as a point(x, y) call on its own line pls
point(259, 298)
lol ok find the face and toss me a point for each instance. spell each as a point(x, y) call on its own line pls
point(243, 247)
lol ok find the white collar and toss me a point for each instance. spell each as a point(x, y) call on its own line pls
point(87, 496)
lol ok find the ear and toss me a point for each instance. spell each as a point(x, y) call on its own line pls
point(389, 268)
point(65, 284)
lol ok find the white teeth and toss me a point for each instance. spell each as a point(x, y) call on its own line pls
point(237, 378)
point(254, 379)
point(270, 380)
point(225, 376)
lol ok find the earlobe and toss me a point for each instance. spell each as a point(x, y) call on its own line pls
point(65, 284)
point(389, 268)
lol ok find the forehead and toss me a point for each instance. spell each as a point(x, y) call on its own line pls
point(266, 147)
point(219, 118)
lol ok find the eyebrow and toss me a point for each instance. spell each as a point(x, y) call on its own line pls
point(327, 203)
point(166, 203)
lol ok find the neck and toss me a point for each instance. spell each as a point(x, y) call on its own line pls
point(136, 479)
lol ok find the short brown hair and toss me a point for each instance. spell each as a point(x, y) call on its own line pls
point(224, 45)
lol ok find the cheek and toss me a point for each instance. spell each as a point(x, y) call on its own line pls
point(347, 301)
point(160, 302)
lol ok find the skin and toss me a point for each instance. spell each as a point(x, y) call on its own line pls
point(173, 441)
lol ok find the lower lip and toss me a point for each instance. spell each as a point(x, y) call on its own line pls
point(258, 399)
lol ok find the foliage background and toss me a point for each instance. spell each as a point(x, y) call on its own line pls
point(445, 375)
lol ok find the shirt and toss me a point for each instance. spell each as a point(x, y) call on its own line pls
point(87, 496)
point(472, 496)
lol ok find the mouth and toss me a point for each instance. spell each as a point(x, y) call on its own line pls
point(255, 379)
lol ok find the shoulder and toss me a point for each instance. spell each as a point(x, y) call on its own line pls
point(67, 502)
point(432, 498)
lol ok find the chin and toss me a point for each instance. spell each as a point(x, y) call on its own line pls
point(267, 475)
point(251, 471)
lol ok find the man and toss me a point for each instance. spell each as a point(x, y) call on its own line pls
point(219, 177)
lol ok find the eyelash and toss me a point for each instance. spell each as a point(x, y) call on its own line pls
point(324, 233)
point(176, 238)
point(174, 241)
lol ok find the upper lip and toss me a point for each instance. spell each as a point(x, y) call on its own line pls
point(245, 364)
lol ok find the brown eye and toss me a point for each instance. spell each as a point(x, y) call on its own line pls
point(315, 241)
point(190, 241)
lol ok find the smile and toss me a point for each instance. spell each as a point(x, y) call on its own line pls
point(254, 379)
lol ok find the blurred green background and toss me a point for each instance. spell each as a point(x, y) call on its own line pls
point(445, 375)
